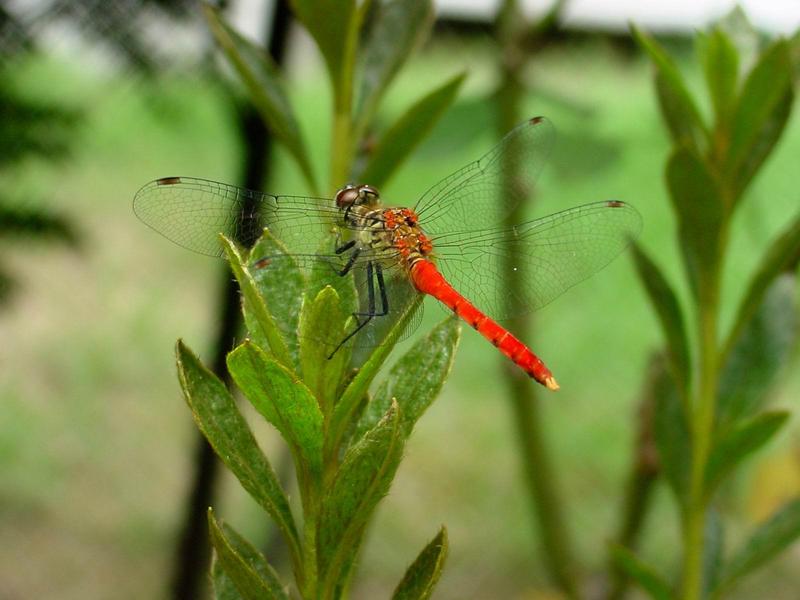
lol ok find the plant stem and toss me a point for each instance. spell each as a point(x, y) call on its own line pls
point(342, 142)
point(546, 503)
point(702, 431)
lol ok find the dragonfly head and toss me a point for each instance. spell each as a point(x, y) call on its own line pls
point(356, 195)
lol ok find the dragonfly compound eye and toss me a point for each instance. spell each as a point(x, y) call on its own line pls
point(347, 196)
point(368, 194)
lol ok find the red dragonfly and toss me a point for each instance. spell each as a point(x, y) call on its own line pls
point(452, 245)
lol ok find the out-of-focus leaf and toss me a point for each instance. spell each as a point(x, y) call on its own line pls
point(781, 530)
point(760, 115)
point(736, 444)
point(742, 33)
point(285, 402)
point(783, 252)
point(247, 569)
point(353, 395)
point(281, 284)
point(794, 43)
point(395, 29)
point(334, 25)
point(673, 439)
point(223, 586)
point(699, 207)
point(363, 479)
point(670, 315)
point(266, 88)
point(408, 131)
point(764, 346)
point(323, 324)
point(415, 380)
point(214, 410)
point(642, 573)
point(713, 551)
point(423, 574)
point(261, 324)
point(721, 67)
point(677, 105)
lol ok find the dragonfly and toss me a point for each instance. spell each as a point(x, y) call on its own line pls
point(454, 244)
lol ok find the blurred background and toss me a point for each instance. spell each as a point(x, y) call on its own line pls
point(97, 448)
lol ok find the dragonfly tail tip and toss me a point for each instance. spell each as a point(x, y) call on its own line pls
point(551, 384)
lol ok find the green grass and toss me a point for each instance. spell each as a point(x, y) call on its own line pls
point(95, 440)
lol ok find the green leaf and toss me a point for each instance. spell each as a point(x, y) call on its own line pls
point(247, 569)
point(363, 479)
point(323, 275)
point(672, 435)
point(324, 325)
point(214, 410)
point(261, 323)
point(423, 574)
point(738, 443)
point(642, 573)
point(782, 253)
point(698, 204)
point(721, 68)
point(416, 378)
point(285, 402)
point(670, 316)
point(266, 88)
point(334, 26)
point(397, 144)
point(782, 529)
point(224, 589)
point(394, 30)
point(760, 115)
point(677, 105)
point(281, 284)
point(763, 347)
point(353, 394)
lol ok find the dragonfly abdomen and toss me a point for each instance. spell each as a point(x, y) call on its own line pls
point(428, 280)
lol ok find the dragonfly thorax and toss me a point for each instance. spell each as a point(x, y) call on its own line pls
point(382, 229)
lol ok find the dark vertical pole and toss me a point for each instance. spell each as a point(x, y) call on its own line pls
point(192, 553)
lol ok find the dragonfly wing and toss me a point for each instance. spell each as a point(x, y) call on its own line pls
point(547, 255)
point(480, 194)
point(192, 213)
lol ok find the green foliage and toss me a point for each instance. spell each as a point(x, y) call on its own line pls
point(748, 375)
point(292, 368)
point(265, 86)
point(286, 403)
point(324, 319)
point(670, 316)
point(423, 574)
point(408, 131)
point(672, 435)
point(642, 573)
point(781, 530)
point(242, 565)
point(416, 379)
point(704, 440)
point(698, 204)
point(338, 499)
point(396, 28)
point(738, 443)
point(216, 415)
point(362, 480)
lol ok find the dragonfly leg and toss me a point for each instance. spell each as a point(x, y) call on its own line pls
point(350, 262)
point(344, 247)
point(371, 313)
